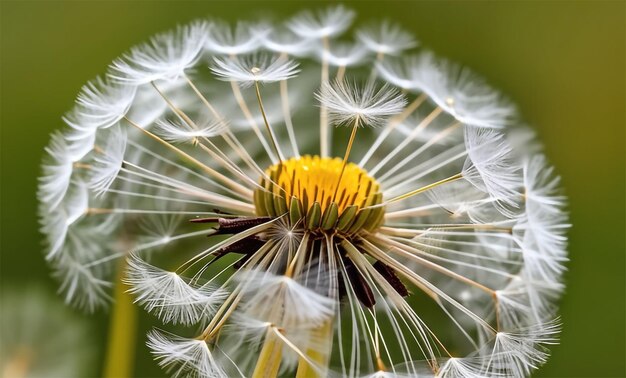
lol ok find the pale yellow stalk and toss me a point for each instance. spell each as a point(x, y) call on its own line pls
point(269, 359)
point(121, 344)
point(320, 356)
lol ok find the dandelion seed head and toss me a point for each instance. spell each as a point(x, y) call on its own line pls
point(290, 244)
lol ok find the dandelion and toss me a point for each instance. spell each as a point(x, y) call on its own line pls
point(425, 238)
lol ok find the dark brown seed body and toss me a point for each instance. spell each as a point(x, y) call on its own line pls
point(391, 277)
point(232, 225)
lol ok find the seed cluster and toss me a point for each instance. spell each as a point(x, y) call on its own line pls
point(315, 194)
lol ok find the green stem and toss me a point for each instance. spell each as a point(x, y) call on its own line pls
point(121, 343)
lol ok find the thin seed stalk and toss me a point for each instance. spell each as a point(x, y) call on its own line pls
point(347, 155)
point(320, 357)
point(269, 359)
point(270, 132)
point(424, 188)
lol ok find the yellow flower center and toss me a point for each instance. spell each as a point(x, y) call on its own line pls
point(316, 195)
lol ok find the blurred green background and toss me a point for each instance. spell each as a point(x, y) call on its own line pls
point(562, 62)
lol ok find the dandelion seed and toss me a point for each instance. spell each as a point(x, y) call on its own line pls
point(288, 293)
point(344, 55)
point(101, 104)
point(165, 57)
point(168, 296)
point(517, 354)
point(451, 87)
point(107, 165)
point(386, 38)
point(362, 105)
point(184, 357)
point(289, 43)
point(176, 131)
point(326, 23)
point(489, 157)
point(56, 223)
point(458, 367)
point(57, 172)
point(243, 38)
point(291, 259)
point(255, 69)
